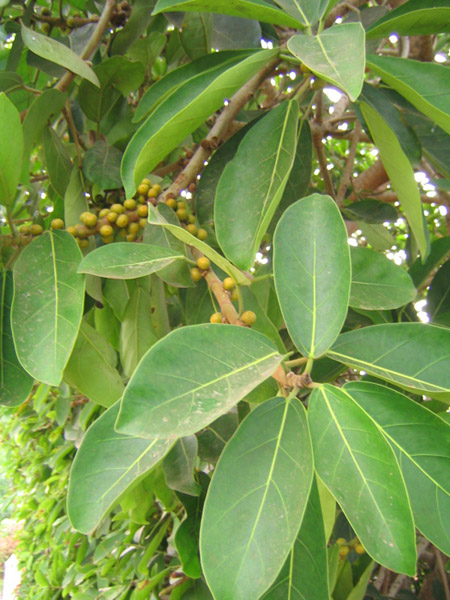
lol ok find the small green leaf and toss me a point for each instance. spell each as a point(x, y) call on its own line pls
point(50, 49)
point(422, 441)
point(10, 153)
point(256, 501)
point(400, 173)
point(127, 261)
point(49, 103)
point(178, 466)
point(174, 400)
point(15, 383)
point(101, 165)
point(438, 296)
point(377, 282)
point(355, 461)
point(337, 55)
point(305, 11)
point(246, 196)
point(419, 271)
point(414, 18)
point(106, 465)
point(75, 201)
point(412, 355)
point(312, 272)
point(370, 211)
point(48, 304)
point(92, 368)
point(57, 161)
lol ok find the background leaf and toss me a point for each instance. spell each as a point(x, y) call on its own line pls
point(10, 153)
point(57, 161)
point(438, 296)
point(179, 464)
point(232, 33)
point(305, 11)
point(49, 103)
point(414, 18)
point(101, 165)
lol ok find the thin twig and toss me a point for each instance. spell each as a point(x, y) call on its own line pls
point(318, 147)
point(443, 573)
point(348, 169)
point(69, 118)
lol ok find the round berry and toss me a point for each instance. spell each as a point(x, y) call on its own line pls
point(112, 216)
point(117, 208)
point(228, 283)
point(130, 204)
point(196, 274)
point(133, 228)
point(108, 239)
point(57, 224)
point(171, 203)
point(106, 230)
point(152, 193)
point(131, 237)
point(248, 317)
point(83, 243)
point(146, 182)
point(341, 541)
point(142, 210)
point(234, 296)
point(122, 221)
point(191, 219)
point(181, 205)
point(36, 229)
point(215, 318)
point(89, 219)
point(142, 223)
point(45, 28)
point(142, 189)
point(343, 551)
point(359, 549)
point(82, 231)
point(142, 199)
point(103, 213)
point(202, 234)
point(182, 214)
point(71, 230)
point(25, 230)
point(157, 188)
point(203, 263)
point(192, 229)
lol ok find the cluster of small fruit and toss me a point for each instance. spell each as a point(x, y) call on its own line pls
point(185, 217)
point(346, 547)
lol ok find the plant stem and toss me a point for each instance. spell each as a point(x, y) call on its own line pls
point(346, 175)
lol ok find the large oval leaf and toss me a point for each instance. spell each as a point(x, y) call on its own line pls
point(192, 376)
point(422, 440)
point(412, 355)
point(256, 501)
point(312, 272)
point(15, 383)
point(184, 111)
point(305, 11)
point(247, 196)
point(127, 261)
point(358, 466)
point(10, 153)
point(49, 103)
point(48, 304)
point(106, 465)
point(337, 55)
point(377, 282)
point(414, 18)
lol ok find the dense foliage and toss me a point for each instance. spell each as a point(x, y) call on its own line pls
point(225, 288)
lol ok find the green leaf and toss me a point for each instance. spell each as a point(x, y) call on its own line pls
point(435, 141)
point(425, 85)
point(359, 590)
point(92, 368)
point(10, 153)
point(196, 34)
point(57, 161)
point(106, 465)
point(400, 173)
point(116, 292)
point(138, 21)
point(137, 333)
point(147, 49)
point(213, 439)
point(101, 165)
point(182, 112)
point(312, 272)
point(377, 282)
point(51, 50)
point(49, 103)
point(414, 18)
point(305, 11)
point(156, 217)
point(422, 441)
point(305, 572)
point(48, 304)
point(377, 236)
point(246, 196)
point(107, 324)
point(256, 501)
point(233, 33)
point(174, 400)
point(370, 211)
point(355, 461)
point(337, 55)
point(127, 261)
point(263, 324)
point(250, 9)
point(15, 383)
point(75, 201)
point(178, 466)
point(412, 355)
point(438, 296)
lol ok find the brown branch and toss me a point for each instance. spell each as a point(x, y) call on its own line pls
point(370, 180)
point(318, 147)
point(348, 169)
point(69, 118)
point(61, 22)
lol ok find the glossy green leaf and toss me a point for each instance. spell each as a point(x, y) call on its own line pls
point(438, 296)
point(312, 272)
point(400, 173)
point(414, 18)
point(147, 49)
point(307, 12)
point(196, 34)
point(250, 9)
point(354, 460)
point(305, 573)
point(57, 161)
point(167, 400)
point(377, 282)
point(117, 293)
point(247, 196)
point(425, 85)
point(213, 439)
point(92, 367)
point(233, 33)
point(435, 141)
point(135, 27)
point(101, 165)
point(127, 261)
point(58, 53)
point(15, 383)
point(377, 236)
point(178, 466)
point(49, 103)
point(419, 271)
point(75, 201)
point(337, 55)
point(413, 355)
point(137, 333)
point(107, 324)
point(256, 501)
point(156, 217)
point(10, 153)
point(182, 112)
point(422, 440)
point(370, 211)
point(48, 304)
point(106, 465)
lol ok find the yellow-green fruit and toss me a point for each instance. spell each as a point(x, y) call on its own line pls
point(106, 230)
point(131, 237)
point(25, 230)
point(122, 221)
point(133, 228)
point(196, 274)
point(191, 219)
point(142, 210)
point(82, 231)
point(25, 239)
point(142, 189)
point(359, 549)
point(234, 295)
point(182, 214)
point(112, 216)
point(108, 239)
point(152, 193)
point(203, 263)
point(142, 223)
point(36, 229)
point(192, 229)
point(341, 541)
point(146, 182)
point(248, 317)
point(71, 230)
point(142, 199)
point(46, 11)
point(228, 283)
point(103, 213)
point(181, 205)
point(130, 204)
point(70, 22)
point(83, 243)
point(118, 208)
point(171, 203)
point(45, 28)
point(202, 234)
point(215, 318)
point(57, 224)
point(157, 188)
point(343, 551)
point(123, 232)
